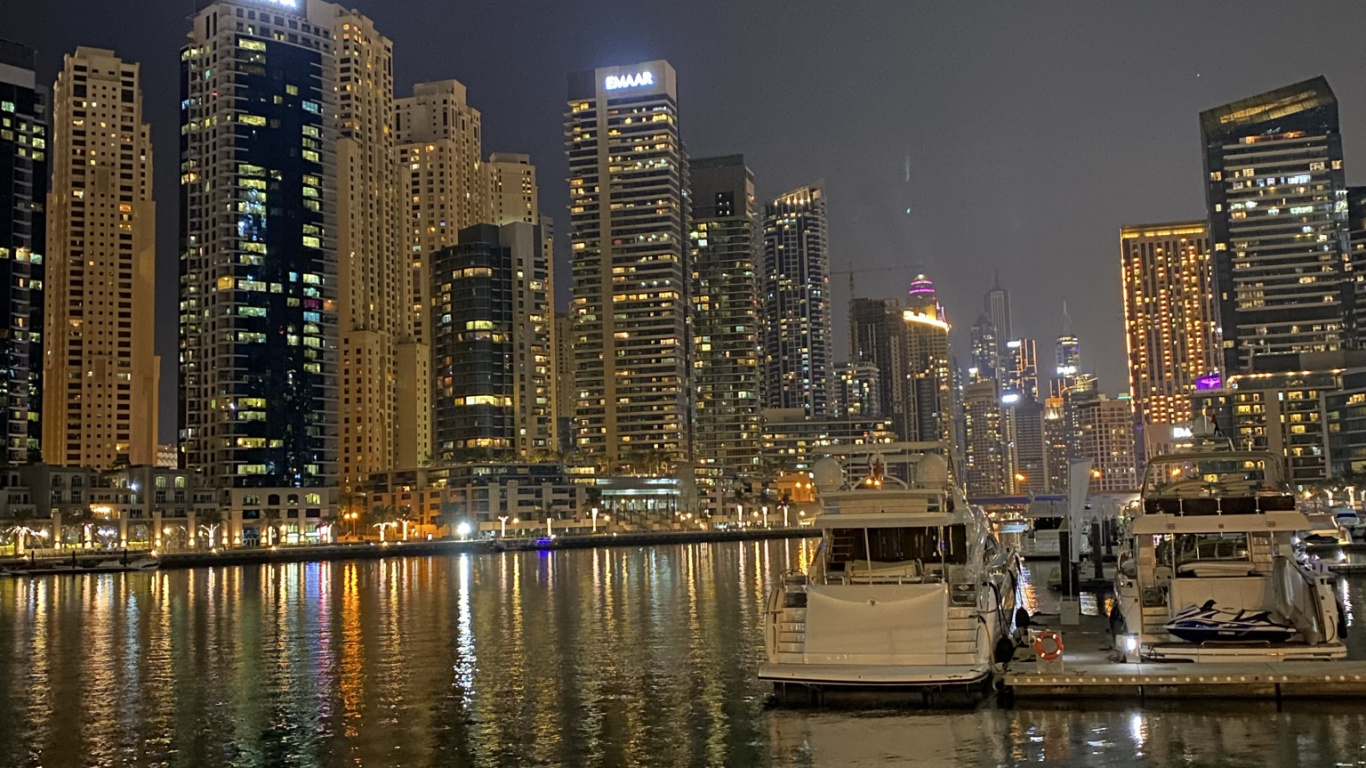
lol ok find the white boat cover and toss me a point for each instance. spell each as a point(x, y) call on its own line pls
point(876, 624)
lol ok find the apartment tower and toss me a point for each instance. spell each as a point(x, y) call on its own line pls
point(24, 167)
point(726, 372)
point(798, 332)
point(628, 190)
point(259, 268)
point(101, 400)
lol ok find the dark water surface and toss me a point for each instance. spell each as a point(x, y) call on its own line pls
point(614, 657)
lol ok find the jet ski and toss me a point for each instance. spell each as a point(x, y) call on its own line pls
point(1200, 624)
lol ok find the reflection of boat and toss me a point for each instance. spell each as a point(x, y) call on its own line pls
point(1211, 555)
point(1203, 623)
point(909, 586)
point(81, 565)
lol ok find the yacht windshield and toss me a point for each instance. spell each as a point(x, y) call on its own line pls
point(927, 544)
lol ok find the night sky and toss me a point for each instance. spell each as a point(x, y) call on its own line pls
point(1032, 131)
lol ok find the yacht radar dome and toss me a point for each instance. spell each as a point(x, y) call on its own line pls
point(828, 475)
point(931, 471)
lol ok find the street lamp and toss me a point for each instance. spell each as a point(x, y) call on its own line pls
point(595, 519)
point(765, 509)
point(464, 530)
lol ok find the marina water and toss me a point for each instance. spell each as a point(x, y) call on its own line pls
point(607, 657)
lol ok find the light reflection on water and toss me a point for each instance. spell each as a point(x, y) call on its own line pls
point(610, 657)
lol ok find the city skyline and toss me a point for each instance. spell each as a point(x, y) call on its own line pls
point(865, 164)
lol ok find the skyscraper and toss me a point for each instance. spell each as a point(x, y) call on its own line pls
point(492, 387)
point(628, 213)
point(1105, 436)
point(986, 460)
point(996, 302)
point(445, 189)
point(986, 349)
point(878, 336)
point(1066, 357)
point(374, 315)
point(514, 197)
point(24, 167)
point(1276, 196)
point(798, 332)
point(1169, 322)
point(1022, 368)
point(101, 269)
point(258, 270)
point(563, 382)
point(727, 376)
point(857, 391)
point(930, 375)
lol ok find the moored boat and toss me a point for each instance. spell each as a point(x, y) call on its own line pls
point(909, 586)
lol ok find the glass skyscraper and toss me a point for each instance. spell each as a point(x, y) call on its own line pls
point(1276, 196)
point(798, 332)
point(258, 266)
point(23, 191)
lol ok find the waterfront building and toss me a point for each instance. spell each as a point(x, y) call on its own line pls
point(794, 442)
point(930, 374)
point(512, 189)
point(1066, 357)
point(798, 331)
point(259, 268)
point(486, 495)
point(1105, 436)
point(490, 345)
point(986, 457)
point(1169, 323)
point(727, 377)
point(374, 316)
point(24, 164)
point(100, 405)
point(1276, 198)
point(445, 188)
point(877, 333)
point(858, 389)
point(629, 257)
point(563, 382)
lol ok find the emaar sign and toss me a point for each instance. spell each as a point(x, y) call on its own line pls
point(616, 82)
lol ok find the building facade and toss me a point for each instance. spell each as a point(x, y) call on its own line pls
point(100, 292)
point(877, 331)
point(798, 331)
point(374, 315)
point(727, 376)
point(1105, 437)
point(258, 269)
point(858, 389)
point(1169, 322)
point(565, 396)
point(928, 365)
point(794, 442)
point(1276, 198)
point(986, 456)
point(491, 392)
point(445, 188)
point(628, 214)
point(24, 163)
point(1066, 357)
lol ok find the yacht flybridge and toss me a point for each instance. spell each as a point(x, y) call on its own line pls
point(1208, 569)
point(908, 588)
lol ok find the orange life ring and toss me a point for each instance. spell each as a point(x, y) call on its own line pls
point(1049, 655)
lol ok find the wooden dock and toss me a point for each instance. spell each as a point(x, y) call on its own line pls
point(1087, 671)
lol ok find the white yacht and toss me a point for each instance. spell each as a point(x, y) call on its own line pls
point(1208, 568)
point(908, 588)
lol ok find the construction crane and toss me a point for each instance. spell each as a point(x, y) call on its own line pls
point(851, 272)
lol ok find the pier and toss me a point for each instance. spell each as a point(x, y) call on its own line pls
point(1088, 672)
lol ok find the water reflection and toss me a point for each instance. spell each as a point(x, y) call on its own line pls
point(609, 657)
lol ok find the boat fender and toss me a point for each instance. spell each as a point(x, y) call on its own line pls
point(1042, 643)
point(1022, 620)
point(1005, 650)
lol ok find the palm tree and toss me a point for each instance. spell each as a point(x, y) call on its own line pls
point(272, 517)
point(328, 521)
point(405, 518)
point(210, 520)
point(22, 529)
point(82, 519)
point(383, 517)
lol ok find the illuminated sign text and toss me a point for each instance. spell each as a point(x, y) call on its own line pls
point(614, 82)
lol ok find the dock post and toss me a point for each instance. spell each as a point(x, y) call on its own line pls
point(1068, 585)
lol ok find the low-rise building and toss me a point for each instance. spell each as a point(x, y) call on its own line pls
point(792, 441)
